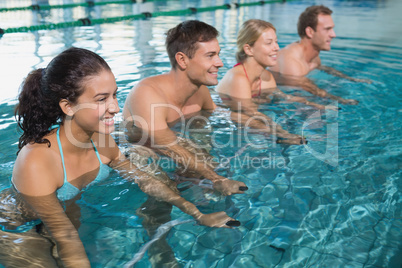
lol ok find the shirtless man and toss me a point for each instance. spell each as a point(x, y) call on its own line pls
point(157, 102)
point(316, 30)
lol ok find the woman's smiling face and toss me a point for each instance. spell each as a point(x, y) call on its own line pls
point(96, 107)
point(266, 48)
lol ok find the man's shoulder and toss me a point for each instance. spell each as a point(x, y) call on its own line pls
point(147, 92)
point(149, 89)
point(291, 60)
point(293, 50)
point(287, 57)
point(152, 82)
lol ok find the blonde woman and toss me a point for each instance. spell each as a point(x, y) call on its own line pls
point(257, 49)
point(249, 83)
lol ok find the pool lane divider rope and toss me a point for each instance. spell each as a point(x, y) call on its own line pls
point(88, 3)
point(144, 15)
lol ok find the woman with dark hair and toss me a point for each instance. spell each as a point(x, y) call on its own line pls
point(66, 114)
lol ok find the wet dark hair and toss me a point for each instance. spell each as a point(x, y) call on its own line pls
point(184, 38)
point(42, 90)
point(309, 18)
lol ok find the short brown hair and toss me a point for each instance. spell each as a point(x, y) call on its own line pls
point(184, 38)
point(309, 18)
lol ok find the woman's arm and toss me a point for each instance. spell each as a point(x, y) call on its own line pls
point(69, 246)
point(245, 112)
point(37, 176)
point(280, 94)
point(309, 86)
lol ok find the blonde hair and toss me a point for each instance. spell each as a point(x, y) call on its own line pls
point(249, 32)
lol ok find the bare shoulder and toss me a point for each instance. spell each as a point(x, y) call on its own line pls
point(149, 88)
point(204, 98)
point(291, 61)
point(147, 92)
point(235, 84)
point(267, 80)
point(147, 102)
point(289, 53)
point(223, 85)
point(38, 170)
point(292, 51)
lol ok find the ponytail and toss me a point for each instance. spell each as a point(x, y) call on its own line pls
point(35, 112)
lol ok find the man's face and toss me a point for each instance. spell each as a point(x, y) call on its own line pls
point(203, 68)
point(324, 33)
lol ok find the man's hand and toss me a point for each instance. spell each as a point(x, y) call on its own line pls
point(332, 107)
point(299, 140)
point(217, 219)
point(228, 187)
point(349, 101)
point(358, 80)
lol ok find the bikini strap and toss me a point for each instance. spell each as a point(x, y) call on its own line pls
point(61, 154)
point(240, 63)
point(97, 153)
point(244, 68)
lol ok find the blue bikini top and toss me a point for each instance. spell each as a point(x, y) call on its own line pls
point(67, 190)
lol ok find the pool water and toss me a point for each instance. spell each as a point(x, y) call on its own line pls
point(335, 202)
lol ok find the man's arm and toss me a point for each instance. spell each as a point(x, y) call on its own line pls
point(153, 181)
point(309, 86)
point(337, 73)
point(157, 188)
point(149, 113)
point(165, 142)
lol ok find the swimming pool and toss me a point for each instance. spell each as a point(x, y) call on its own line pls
point(333, 203)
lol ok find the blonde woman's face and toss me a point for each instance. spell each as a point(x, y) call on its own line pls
point(266, 48)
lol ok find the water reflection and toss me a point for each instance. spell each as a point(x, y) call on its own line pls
point(367, 178)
